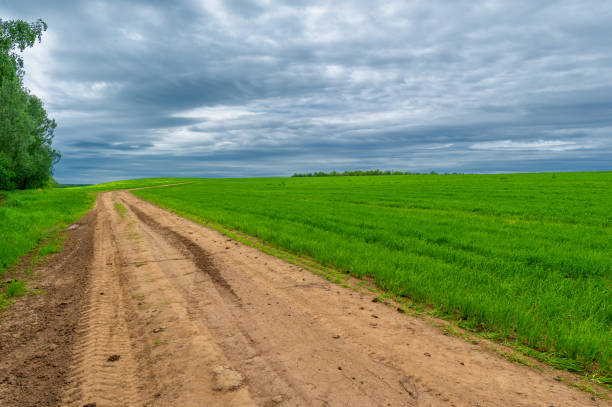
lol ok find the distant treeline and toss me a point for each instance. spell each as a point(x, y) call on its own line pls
point(26, 133)
point(359, 173)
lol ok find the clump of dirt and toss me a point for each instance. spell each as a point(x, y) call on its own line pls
point(37, 332)
point(113, 358)
point(226, 379)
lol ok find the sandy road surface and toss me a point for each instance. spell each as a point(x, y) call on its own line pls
point(178, 315)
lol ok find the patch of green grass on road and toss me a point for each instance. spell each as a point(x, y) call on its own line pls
point(526, 256)
point(120, 209)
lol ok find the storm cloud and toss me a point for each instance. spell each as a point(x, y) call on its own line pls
point(261, 88)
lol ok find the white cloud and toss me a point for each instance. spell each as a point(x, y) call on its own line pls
point(132, 35)
point(537, 145)
point(217, 113)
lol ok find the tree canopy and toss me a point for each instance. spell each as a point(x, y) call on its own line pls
point(26, 132)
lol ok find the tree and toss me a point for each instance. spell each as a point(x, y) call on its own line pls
point(26, 132)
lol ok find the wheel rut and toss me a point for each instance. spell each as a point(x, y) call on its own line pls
point(199, 256)
point(104, 368)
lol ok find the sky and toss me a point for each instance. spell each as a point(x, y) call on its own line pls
point(241, 88)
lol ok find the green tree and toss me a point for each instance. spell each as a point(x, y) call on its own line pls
point(26, 132)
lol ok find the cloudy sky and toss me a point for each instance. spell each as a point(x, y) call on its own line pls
point(262, 87)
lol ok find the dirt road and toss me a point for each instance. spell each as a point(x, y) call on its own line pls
point(175, 314)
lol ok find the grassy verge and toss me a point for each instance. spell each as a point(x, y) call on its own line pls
point(523, 259)
point(29, 217)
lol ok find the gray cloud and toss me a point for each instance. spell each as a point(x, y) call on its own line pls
point(253, 88)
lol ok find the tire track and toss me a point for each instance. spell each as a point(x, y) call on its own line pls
point(200, 257)
point(248, 341)
point(104, 370)
point(178, 360)
point(222, 315)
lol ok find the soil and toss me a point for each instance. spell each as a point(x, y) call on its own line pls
point(37, 332)
point(147, 308)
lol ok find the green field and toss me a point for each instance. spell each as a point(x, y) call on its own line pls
point(526, 256)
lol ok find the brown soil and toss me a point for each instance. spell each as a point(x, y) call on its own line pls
point(161, 311)
point(38, 331)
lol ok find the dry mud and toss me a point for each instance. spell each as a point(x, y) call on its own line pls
point(166, 312)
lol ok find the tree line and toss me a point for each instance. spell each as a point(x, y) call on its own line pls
point(358, 173)
point(26, 132)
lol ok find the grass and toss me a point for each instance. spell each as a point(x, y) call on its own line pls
point(585, 387)
point(27, 218)
point(120, 209)
point(9, 290)
point(52, 246)
point(524, 258)
point(15, 289)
